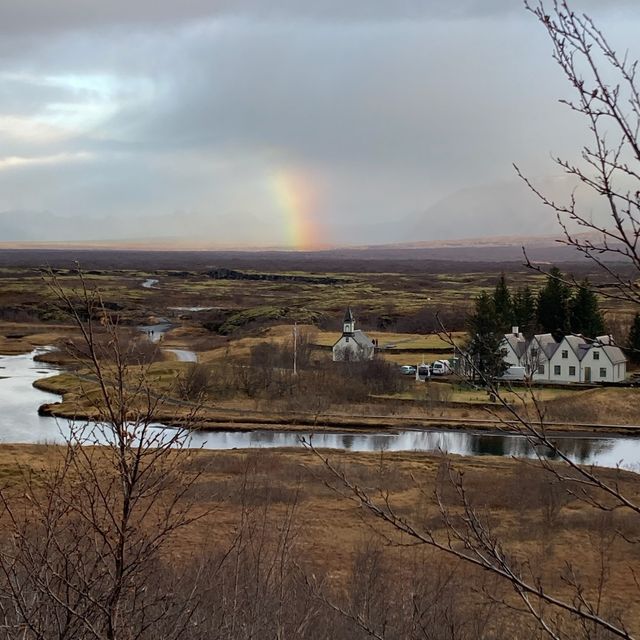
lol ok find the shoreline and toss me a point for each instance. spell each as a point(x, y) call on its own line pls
point(249, 420)
point(212, 419)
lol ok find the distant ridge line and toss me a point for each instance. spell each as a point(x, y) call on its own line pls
point(186, 245)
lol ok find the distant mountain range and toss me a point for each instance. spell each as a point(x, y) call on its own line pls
point(496, 216)
point(540, 249)
point(183, 229)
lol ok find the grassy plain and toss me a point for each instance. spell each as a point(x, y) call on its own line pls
point(388, 295)
point(226, 321)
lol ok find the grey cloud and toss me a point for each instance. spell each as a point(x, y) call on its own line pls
point(402, 99)
point(23, 96)
point(386, 117)
point(37, 16)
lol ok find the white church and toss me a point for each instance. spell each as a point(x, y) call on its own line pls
point(353, 345)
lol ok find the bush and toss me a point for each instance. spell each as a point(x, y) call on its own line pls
point(195, 382)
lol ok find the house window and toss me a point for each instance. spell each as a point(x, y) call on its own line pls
point(534, 353)
point(565, 354)
point(557, 370)
point(346, 339)
point(603, 372)
point(596, 355)
point(572, 371)
point(541, 369)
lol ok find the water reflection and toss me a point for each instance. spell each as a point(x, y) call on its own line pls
point(20, 423)
point(155, 332)
point(608, 452)
point(489, 446)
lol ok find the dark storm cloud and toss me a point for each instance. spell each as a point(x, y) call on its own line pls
point(402, 103)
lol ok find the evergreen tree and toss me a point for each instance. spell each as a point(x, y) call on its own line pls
point(484, 347)
point(586, 317)
point(633, 341)
point(553, 304)
point(524, 310)
point(503, 305)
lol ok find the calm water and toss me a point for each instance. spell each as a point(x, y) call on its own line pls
point(155, 332)
point(20, 423)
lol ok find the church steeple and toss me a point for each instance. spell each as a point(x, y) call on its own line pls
point(349, 323)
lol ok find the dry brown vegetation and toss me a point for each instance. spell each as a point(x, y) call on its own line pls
point(275, 550)
point(387, 295)
point(251, 381)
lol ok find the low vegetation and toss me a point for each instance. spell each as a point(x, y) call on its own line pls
point(274, 546)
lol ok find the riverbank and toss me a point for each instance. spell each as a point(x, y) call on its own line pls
point(180, 413)
point(380, 415)
point(239, 405)
point(211, 419)
point(21, 422)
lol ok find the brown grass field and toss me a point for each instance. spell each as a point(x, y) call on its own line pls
point(536, 522)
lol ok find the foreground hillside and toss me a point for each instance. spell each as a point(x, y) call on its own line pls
point(278, 530)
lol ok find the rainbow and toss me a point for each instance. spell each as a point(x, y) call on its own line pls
point(297, 199)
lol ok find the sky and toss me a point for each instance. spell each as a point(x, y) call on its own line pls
point(281, 123)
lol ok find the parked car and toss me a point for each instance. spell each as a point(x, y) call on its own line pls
point(424, 371)
point(407, 370)
point(440, 368)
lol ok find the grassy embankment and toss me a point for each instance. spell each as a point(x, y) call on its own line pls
point(224, 403)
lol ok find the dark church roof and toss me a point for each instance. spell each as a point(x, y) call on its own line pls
point(348, 316)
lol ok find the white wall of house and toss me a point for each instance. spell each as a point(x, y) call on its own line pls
point(535, 361)
point(596, 366)
point(510, 356)
point(565, 366)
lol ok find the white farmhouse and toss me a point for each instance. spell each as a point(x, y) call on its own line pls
point(573, 359)
point(565, 364)
point(353, 344)
point(514, 347)
point(603, 362)
point(537, 356)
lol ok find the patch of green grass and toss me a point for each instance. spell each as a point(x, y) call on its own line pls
point(256, 314)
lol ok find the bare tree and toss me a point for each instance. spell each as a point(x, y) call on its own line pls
point(86, 547)
point(607, 97)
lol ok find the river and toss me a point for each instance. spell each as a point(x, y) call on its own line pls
point(155, 332)
point(20, 423)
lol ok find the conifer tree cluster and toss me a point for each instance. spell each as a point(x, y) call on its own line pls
point(486, 335)
point(633, 342)
point(555, 308)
